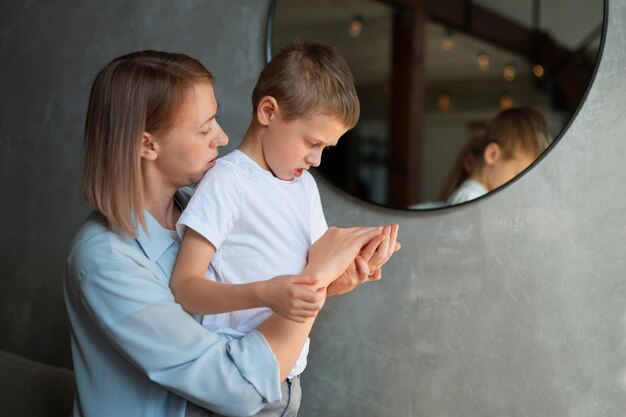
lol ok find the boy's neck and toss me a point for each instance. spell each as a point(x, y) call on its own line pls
point(252, 145)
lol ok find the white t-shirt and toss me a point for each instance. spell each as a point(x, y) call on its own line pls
point(260, 225)
point(468, 190)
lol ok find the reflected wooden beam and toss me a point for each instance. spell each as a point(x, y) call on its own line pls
point(468, 17)
point(407, 105)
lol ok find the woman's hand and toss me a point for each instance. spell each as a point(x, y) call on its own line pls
point(295, 297)
point(332, 254)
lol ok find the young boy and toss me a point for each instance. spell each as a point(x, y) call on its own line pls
point(512, 141)
point(257, 212)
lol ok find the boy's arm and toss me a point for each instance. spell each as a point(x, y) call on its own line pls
point(290, 296)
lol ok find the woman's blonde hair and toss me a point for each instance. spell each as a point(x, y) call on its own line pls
point(307, 79)
point(135, 93)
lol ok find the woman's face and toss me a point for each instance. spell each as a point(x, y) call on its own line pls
point(189, 148)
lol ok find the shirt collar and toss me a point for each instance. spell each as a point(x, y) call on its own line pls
point(157, 239)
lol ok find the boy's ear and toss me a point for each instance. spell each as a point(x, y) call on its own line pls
point(149, 147)
point(492, 153)
point(267, 110)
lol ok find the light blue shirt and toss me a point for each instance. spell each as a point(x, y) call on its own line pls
point(136, 352)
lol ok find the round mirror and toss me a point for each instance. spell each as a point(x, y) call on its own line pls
point(457, 97)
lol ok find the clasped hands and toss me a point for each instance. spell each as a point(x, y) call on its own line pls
point(339, 261)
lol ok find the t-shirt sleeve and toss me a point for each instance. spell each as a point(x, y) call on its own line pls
point(215, 205)
point(318, 220)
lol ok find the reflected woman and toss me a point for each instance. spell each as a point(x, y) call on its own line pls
point(512, 141)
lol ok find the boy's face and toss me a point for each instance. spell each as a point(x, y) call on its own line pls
point(293, 146)
point(500, 169)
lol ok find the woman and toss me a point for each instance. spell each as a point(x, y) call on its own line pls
point(151, 129)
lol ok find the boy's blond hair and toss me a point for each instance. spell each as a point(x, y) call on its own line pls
point(518, 129)
point(309, 79)
point(135, 93)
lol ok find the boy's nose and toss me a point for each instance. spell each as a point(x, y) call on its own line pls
point(314, 159)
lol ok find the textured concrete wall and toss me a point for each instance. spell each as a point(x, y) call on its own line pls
point(514, 305)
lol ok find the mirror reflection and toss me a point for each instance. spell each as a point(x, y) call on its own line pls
point(457, 96)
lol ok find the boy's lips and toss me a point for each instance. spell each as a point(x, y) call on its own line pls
point(298, 172)
point(211, 163)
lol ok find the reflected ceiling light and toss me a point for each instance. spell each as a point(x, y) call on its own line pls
point(444, 102)
point(483, 61)
point(538, 70)
point(356, 26)
point(447, 41)
point(510, 70)
point(506, 101)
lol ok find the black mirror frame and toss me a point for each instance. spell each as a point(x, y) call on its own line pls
point(605, 14)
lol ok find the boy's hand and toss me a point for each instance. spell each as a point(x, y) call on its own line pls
point(367, 266)
point(294, 297)
point(356, 274)
point(332, 254)
point(378, 251)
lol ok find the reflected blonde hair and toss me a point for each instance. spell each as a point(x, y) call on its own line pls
point(135, 93)
point(518, 129)
point(308, 79)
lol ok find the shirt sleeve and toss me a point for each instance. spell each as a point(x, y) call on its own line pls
point(318, 220)
point(133, 308)
point(215, 205)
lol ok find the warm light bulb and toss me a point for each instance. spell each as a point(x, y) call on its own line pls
point(506, 101)
point(483, 61)
point(447, 41)
point(444, 102)
point(538, 70)
point(356, 26)
point(510, 70)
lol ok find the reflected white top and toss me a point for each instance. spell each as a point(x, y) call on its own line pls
point(469, 190)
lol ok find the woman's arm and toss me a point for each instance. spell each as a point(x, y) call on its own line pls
point(124, 320)
point(329, 257)
point(292, 296)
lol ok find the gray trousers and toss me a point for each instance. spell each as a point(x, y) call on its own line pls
point(287, 406)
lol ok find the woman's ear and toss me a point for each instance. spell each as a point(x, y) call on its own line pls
point(492, 153)
point(267, 110)
point(149, 148)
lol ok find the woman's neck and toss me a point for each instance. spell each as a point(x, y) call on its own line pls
point(159, 201)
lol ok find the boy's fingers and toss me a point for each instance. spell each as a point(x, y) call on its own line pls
point(370, 249)
point(393, 237)
point(363, 270)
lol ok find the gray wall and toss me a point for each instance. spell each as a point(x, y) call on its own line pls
point(513, 305)
point(50, 52)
